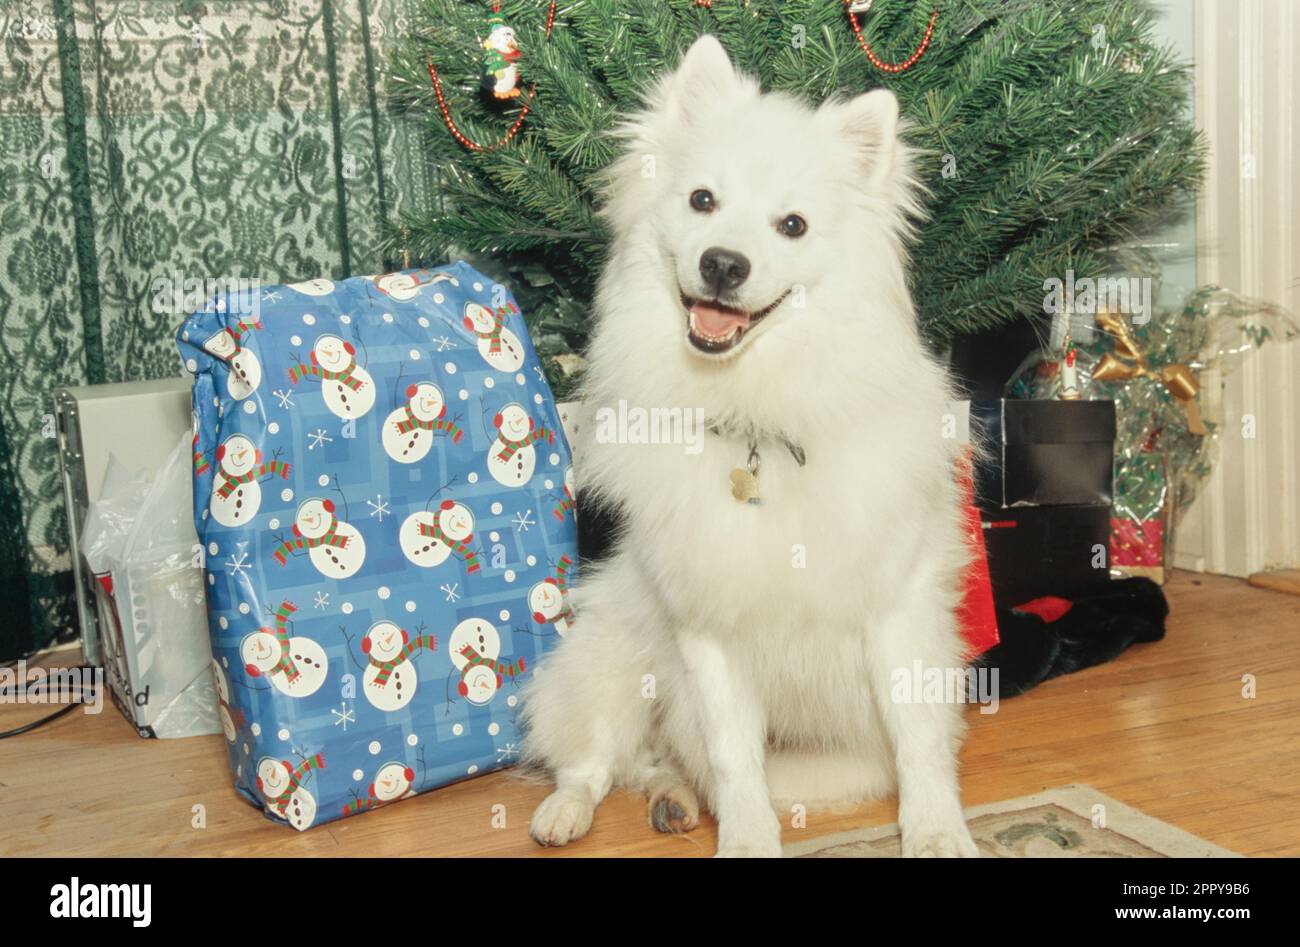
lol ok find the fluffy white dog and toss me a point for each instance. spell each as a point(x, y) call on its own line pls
point(738, 649)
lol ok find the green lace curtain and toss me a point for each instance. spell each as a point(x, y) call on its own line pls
point(142, 140)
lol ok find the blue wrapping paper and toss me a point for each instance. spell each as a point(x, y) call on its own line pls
point(381, 492)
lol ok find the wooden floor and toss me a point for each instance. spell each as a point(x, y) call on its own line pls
point(1165, 729)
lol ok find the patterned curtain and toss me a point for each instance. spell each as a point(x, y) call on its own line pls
point(167, 139)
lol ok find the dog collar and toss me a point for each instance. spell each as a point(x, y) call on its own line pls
point(755, 438)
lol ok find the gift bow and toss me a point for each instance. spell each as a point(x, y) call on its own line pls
point(1177, 378)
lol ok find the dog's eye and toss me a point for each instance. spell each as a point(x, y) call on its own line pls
point(793, 226)
point(702, 200)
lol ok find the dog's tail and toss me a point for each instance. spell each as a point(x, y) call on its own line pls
point(828, 780)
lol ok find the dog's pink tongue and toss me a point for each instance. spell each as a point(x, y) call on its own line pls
point(717, 321)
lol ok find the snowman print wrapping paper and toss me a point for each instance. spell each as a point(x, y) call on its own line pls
point(383, 496)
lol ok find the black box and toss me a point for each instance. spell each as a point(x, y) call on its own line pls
point(1046, 550)
point(1044, 488)
point(1044, 453)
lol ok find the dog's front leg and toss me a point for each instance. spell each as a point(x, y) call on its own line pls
point(925, 735)
point(734, 731)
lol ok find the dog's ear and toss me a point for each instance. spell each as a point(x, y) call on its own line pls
point(704, 73)
point(870, 121)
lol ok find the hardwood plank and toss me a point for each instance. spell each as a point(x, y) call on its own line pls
point(1165, 729)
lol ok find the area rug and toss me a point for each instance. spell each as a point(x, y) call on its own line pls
point(1070, 822)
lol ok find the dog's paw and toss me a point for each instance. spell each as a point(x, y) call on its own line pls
point(954, 842)
point(561, 818)
point(674, 811)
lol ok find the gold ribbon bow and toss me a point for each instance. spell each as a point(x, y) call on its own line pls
point(1178, 378)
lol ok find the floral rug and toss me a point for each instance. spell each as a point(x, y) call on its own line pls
point(1070, 822)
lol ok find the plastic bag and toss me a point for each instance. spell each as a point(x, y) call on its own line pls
point(139, 543)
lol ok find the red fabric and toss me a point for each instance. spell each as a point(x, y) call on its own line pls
point(1049, 608)
point(975, 615)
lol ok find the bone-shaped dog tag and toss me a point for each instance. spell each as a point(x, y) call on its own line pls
point(744, 486)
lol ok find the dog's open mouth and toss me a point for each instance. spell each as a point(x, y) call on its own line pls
point(714, 328)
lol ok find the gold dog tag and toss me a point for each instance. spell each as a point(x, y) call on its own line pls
point(744, 486)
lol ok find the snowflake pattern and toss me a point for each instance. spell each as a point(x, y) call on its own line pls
point(344, 716)
point(237, 563)
point(444, 343)
point(523, 520)
point(378, 507)
point(318, 438)
point(322, 600)
point(285, 397)
point(507, 753)
point(450, 589)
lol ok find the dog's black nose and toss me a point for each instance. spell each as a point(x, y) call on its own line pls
point(723, 270)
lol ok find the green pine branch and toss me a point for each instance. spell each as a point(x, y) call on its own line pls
point(1047, 134)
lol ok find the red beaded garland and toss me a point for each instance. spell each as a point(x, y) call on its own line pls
point(891, 67)
point(450, 122)
point(467, 142)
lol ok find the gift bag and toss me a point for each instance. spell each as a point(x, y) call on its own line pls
point(380, 492)
point(138, 542)
point(1142, 517)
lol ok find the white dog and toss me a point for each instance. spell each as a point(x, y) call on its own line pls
point(741, 653)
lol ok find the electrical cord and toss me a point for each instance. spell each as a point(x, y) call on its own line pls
point(50, 718)
point(39, 653)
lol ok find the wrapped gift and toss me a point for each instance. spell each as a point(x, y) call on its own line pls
point(976, 616)
point(1044, 484)
point(1142, 516)
point(376, 465)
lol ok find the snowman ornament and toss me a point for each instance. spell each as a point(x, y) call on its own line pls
point(390, 679)
point(347, 388)
point(408, 432)
point(236, 487)
point(499, 346)
point(512, 457)
point(281, 784)
point(295, 666)
point(335, 548)
point(245, 370)
point(428, 539)
point(500, 80)
point(475, 649)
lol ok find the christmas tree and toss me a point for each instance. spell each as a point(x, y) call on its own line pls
point(1051, 133)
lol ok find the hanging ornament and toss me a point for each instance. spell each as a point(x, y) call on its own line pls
point(854, 7)
point(500, 82)
point(1069, 372)
point(524, 99)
